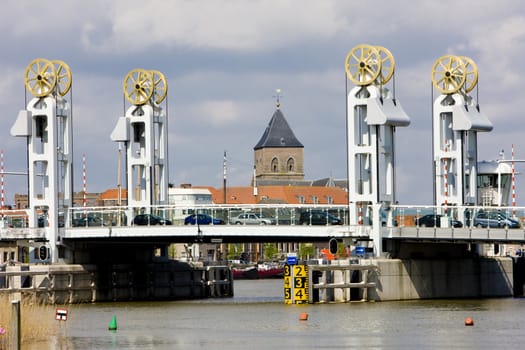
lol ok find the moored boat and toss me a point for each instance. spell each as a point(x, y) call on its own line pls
point(265, 270)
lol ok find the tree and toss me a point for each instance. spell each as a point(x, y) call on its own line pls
point(306, 251)
point(270, 251)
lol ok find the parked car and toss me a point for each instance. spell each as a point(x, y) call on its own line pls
point(150, 219)
point(202, 219)
point(495, 219)
point(42, 221)
point(318, 217)
point(89, 221)
point(252, 219)
point(434, 220)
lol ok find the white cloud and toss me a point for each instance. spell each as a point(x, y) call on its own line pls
point(218, 113)
point(230, 25)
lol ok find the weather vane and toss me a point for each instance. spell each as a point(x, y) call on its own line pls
point(278, 96)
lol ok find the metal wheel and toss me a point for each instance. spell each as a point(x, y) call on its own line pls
point(63, 76)
point(138, 86)
point(448, 74)
point(160, 86)
point(39, 77)
point(363, 64)
point(471, 73)
point(387, 64)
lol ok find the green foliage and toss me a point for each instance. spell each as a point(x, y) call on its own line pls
point(306, 251)
point(234, 251)
point(270, 251)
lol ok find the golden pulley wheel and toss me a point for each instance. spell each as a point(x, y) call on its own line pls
point(387, 64)
point(160, 86)
point(471, 72)
point(40, 78)
point(363, 64)
point(63, 75)
point(448, 74)
point(138, 86)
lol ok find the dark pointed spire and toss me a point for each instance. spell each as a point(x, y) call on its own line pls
point(278, 134)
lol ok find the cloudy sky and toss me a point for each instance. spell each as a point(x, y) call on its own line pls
point(223, 61)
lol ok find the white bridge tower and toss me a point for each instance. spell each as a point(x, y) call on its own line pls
point(144, 132)
point(372, 117)
point(47, 125)
point(456, 122)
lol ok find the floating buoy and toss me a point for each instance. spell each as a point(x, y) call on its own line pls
point(469, 321)
point(113, 324)
point(303, 316)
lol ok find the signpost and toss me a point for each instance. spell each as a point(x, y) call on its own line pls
point(295, 281)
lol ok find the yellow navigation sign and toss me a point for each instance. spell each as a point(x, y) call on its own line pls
point(296, 284)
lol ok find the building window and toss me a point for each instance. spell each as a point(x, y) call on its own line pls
point(300, 199)
point(290, 165)
point(315, 200)
point(329, 200)
point(275, 165)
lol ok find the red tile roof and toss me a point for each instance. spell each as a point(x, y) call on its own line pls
point(283, 194)
point(112, 194)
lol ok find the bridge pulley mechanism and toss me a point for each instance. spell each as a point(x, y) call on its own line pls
point(43, 77)
point(451, 74)
point(366, 64)
point(142, 86)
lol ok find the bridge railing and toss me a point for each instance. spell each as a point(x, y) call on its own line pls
point(280, 214)
point(459, 216)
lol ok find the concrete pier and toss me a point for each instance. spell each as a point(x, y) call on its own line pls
point(405, 279)
point(63, 284)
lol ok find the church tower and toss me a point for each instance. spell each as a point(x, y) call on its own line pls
point(279, 156)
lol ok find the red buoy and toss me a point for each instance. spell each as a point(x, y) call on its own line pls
point(303, 317)
point(469, 321)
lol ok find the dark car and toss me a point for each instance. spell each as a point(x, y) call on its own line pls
point(495, 219)
point(434, 220)
point(88, 221)
point(202, 219)
point(318, 217)
point(42, 221)
point(150, 219)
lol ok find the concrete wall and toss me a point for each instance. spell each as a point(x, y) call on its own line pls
point(403, 279)
point(67, 283)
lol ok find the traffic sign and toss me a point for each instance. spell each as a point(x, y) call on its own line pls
point(61, 314)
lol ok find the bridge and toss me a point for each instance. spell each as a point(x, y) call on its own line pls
point(111, 224)
point(372, 214)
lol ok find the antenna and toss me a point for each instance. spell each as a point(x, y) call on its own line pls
point(84, 199)
point(2, 180)
point(224, 177)
point(278, 96)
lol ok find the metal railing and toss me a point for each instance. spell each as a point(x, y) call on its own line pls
point(281, 214)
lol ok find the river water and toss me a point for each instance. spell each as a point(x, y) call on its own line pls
point(257, 318)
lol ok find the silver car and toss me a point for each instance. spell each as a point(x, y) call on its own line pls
point(252, 219)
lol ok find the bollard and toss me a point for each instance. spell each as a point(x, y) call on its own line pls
point(16, 331)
